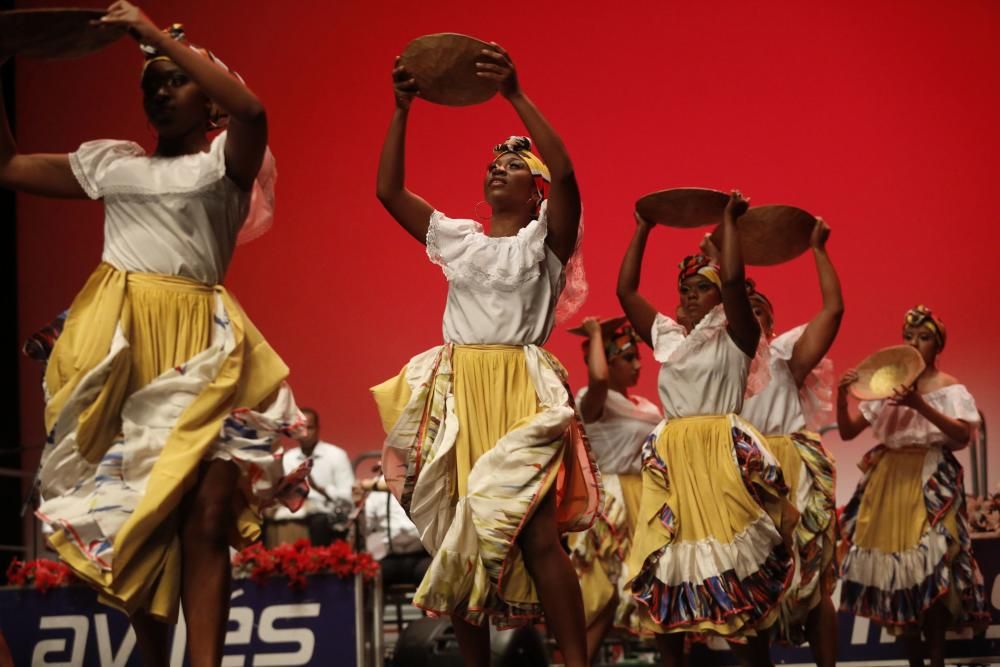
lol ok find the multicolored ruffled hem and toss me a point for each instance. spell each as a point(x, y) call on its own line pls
point(708, 555)
point(895, 589)
point(118, 461)
point(598, 554)
point(628, 614)
point(477, 570)
point(810, 470)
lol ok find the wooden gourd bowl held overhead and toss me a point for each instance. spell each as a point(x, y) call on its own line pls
point(683, 207)
point(54, 33)
point(607, 327)
point(885, 370)
point(444, 67)
point(772, 234)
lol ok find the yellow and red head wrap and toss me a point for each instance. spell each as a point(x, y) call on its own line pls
point(521, 146)
point(922, 316)
point(757, 298)
point(699, 265)
point(176, 32)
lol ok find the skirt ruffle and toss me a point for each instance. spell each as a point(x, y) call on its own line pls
point(151, 376)
point(477, 570)
point(598, 554)
point(707, 553)
point(897, 584)
point(809, 470)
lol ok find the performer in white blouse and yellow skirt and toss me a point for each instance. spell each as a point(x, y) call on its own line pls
point(484, 449)
point(789, 412)
point(708, 556)
point(162, 398)
point(909, 563)
point(618, 422)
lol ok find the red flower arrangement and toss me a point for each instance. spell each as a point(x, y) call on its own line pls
point(300, 558)
point(43, 574)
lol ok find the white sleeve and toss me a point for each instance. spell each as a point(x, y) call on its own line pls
point(464, 253)
point(870, 410)
point(91, 161)
point(783, 346)
point(343, 475)
point(289, 462)
point(666, 335)
point(958, 403)
point(448, 239)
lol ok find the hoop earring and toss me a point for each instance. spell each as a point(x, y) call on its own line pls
point(478, 214)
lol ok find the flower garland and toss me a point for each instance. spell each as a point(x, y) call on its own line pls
point(294, 561)
point(43, 574)
point(300, 558)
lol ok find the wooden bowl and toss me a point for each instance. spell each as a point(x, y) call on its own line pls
point(444, 66)
point(683, 207)
point(885, 370)
point(54, 33)
point(772, 234)
point(607, 327)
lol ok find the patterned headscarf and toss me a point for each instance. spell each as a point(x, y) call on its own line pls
point(619, 341)
point(757, 298)
point(219, 118)
point(521, 146)
point(699, 265)
point(922, 316)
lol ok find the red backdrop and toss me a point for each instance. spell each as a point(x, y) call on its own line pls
point(878, 115)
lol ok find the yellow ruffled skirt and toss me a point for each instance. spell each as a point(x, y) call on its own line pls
point(708, 556)
point(809, 472)
point(477, 436)
point(151, 376)
point(906, 537)
point(599, 553)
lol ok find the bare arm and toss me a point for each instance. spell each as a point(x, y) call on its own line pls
point(409, 210)
point(850, 425)
point(816, 340)
point(564, 196)
point(742, 324)
point(246, 136)
point(45, 174)
point(639, 311)
point(592, 405)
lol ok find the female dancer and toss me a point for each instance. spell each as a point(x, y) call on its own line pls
point(707, 556)
point(909, 563)
point(161, 397)
point(479, 428)
point(617, 423)
point(786, 411)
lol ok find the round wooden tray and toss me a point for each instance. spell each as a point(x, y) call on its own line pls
point(683, 207)
point(54, 33)
point(885, 370)
point(444, 66)
point(772, 234)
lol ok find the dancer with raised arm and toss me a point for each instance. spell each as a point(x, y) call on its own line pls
point(618, 422)
point(707, 556)
point(479, 428)
point(162, 398)
point(796, 402)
